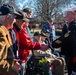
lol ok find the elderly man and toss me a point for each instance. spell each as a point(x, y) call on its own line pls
point(28, 11)
point(7, 18)
point(67, 41)
point(72, 28)
point(24, 41)
point(56, 62)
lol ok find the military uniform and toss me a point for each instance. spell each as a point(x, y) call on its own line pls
point(68, 46)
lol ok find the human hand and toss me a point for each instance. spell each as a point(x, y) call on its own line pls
point(44, 47)
point(6, 65)
point(53, 56)
point(17, 66)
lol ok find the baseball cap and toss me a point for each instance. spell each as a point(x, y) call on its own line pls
point(36, 34)
point(22, 16)
point(28, 10)
point(43, 34)
point(47, 31)
point(6, 9)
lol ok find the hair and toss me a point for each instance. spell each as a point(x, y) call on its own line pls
point(48, 18)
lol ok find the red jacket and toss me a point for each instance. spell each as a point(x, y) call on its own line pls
point(25, 43)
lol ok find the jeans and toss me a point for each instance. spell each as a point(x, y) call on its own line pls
point(22, 68)
point(56, 53)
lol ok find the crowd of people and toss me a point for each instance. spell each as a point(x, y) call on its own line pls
point(16, 43)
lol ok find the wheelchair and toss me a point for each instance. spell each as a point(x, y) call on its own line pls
point(35, 68)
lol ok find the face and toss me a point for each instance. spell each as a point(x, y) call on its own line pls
point(50, 22)
point(47, 35)
point(26, 23)
point(43, 38)
point(29, 15)
point(38, 38)
point(20, 22)
point(10, 20)
point(69, 16)
point(13, 20)
point(74, 13)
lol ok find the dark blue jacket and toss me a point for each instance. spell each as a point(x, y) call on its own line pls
point(47, 27)
point(14, 41)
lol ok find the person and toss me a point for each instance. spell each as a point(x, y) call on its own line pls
point(40, 37)
point(67, 41)
point(7, 60)
point(49, 26)
point(72, 27)
point(37, 37)
point(15, 49)
point(15, 43)
point(56, 62)
point(54, 31)
point(47, 33)
point(28, 12)
point(47, 41)
point(24, 41)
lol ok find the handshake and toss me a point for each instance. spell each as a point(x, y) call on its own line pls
point(44, 47)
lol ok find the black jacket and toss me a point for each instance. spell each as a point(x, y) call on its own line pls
point(68, 43)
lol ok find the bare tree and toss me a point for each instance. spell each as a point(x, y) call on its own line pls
point(1, 2)
point(43, 8)
point(51, 8)
point(10, 2)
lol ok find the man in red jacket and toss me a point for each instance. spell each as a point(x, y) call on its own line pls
point(24, 41)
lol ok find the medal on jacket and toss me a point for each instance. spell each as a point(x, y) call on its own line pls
point(58, 41)
point(66, 35)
